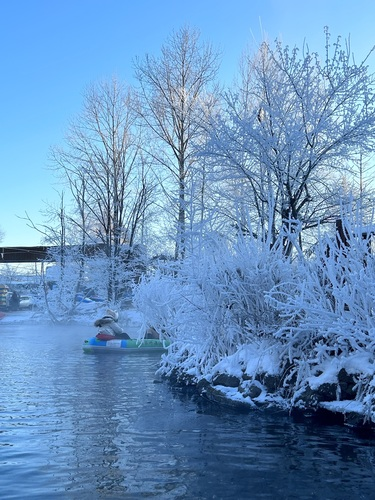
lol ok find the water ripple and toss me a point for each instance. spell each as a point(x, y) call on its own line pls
point(76, 426)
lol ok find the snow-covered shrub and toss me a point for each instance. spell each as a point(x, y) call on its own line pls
point(328, 316)
point(212, 303)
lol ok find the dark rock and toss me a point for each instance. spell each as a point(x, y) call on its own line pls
point(253, 391)
point(271, 382)
point(179, 378)
point(203, 385)
point(353, 419)
point(216, 396)
point(346, 383)
point(327, 392)
point(226, 380)
point(311, 397)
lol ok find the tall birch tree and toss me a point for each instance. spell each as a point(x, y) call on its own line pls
point(176, 96)
point(107, 176)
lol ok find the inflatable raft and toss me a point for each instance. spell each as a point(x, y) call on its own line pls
point(124, 345)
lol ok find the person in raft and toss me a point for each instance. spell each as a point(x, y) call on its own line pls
point(109, 326)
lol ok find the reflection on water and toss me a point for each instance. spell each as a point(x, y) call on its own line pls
point(81, 426)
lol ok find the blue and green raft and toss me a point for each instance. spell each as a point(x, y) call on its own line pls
point(124, 345)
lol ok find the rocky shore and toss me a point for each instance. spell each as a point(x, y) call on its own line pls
point(333, 403)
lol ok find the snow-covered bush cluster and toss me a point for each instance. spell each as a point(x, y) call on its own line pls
point(249, 309)
point(213, 303)
point(328, 317)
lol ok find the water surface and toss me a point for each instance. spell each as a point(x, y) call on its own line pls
point(99, 426)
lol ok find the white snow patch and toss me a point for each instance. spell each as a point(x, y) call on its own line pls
point(346, 406)
point(362, 362)
point(232, 394)
point(330, 371)
point(355, 363)
point(262, 357)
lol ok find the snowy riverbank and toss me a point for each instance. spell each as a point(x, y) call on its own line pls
point(252, 379)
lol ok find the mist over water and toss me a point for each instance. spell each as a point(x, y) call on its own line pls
point(75, 425)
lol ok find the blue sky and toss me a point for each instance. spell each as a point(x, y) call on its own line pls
point(51, 50)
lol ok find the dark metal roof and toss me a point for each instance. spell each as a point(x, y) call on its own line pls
point(9, 255)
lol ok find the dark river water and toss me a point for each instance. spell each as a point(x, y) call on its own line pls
point(93, 426)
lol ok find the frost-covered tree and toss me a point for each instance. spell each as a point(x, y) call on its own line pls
point(107, 177)
point(292, 128)
point(176, 97)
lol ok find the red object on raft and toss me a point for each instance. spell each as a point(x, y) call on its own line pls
point(105, 336)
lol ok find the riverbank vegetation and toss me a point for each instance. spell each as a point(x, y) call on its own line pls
point(294, 333)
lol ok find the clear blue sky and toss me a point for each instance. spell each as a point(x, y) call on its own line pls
point(51, 50)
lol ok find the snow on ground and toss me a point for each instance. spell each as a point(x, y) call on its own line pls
point(252, 358)
point(344, 406)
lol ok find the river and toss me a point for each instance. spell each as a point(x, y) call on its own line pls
point(100, 426)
